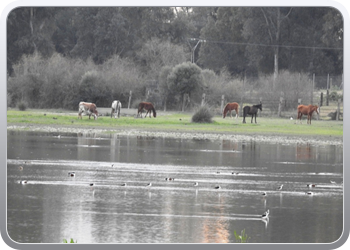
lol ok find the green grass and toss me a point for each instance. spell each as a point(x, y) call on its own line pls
point(180, 122)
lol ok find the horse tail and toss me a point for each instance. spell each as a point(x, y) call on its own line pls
point(237, 107)
point(225, 111)
point(119, 105)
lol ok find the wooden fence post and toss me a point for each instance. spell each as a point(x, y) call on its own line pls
point(313, 88)
point(259, 111)
point(321, 99)
point(165, 99)
point(203, 99)
point(130, 94)
point(222, 104)
point(338, 110)
point(327, 93)
point(280, 106)
point(299, 101)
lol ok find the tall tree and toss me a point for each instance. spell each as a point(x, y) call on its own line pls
point(29, 30)
point(184, 79)
point(223, 47)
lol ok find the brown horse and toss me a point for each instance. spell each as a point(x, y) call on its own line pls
point(87, 108)
point(307, 110)
point(229, 107)
point(148, 107)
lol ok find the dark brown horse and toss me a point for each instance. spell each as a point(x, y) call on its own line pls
point(307, 110)
point(229, 107)
point(148, 107)
point(251, 110)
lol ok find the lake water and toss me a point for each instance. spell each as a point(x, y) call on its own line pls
point(53, 205)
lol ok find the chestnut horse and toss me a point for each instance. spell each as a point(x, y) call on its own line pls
point(251, 110)
point(116, 106)
point(87, 108)
point(148, 107)
point(307, 110)
point(229, 107)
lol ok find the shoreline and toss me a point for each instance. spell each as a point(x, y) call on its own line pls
point(285, 139)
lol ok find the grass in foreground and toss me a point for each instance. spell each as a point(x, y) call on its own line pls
point(181, 122)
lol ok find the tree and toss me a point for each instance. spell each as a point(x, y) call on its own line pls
point(156, 54)
point(29, 31)
point(223, 48)
point(184, 79)
point(163, 84)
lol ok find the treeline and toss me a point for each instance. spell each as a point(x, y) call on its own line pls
point(60, 56)
point(61, 82)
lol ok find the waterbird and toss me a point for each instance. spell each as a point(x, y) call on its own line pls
point(333, 182)
point(195, 184)
point(235, 173)
point(20, 168)
point(280, 187)
point(149, 184)
point(309, 193)
point(91, 184)
point(311, 185)
point(72, 174)
point(266, 214)
point(217, 187)
point(123, 185)
point(23, 182)
point(264, 194)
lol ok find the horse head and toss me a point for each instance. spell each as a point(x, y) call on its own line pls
point(259, 106)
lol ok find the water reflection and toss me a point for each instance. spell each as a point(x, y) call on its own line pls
point(170, 211)
point(304, 152)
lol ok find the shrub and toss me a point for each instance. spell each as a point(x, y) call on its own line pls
point(22, 105)
point(203, 115)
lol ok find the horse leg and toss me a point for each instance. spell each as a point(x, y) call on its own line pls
point(112, 112)
point(236, 113)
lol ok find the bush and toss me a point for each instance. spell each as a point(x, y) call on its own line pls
point(203, 115)
point(22, 106)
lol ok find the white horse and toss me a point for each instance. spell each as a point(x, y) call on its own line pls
point(116, 106)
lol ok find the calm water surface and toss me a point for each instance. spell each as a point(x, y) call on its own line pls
point(53, 206)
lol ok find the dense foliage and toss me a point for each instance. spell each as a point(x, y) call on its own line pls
point(60, 56)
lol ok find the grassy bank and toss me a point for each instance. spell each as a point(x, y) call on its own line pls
point(178, 122)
